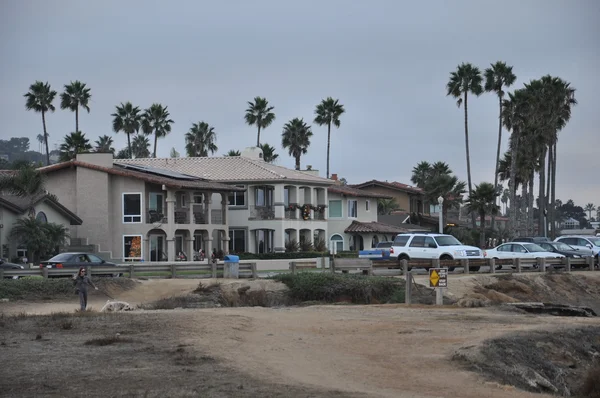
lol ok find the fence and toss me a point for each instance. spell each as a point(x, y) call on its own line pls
point(132, 270)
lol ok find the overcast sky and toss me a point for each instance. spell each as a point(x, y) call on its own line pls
point(387, 61)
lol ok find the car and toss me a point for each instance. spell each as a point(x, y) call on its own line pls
point(582, 242)
point(429, 246)
point(384, 247)
point(5, 265)
point(512, 250)
point(566, 250)
point(75, 260)
point(532, 239)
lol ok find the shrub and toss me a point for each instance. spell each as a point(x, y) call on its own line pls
point(306, 245)
point(35, 288)
point(292, 246)
point(317, 286)
point(591, 383)
point(320, 245)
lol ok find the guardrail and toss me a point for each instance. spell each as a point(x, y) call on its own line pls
point(131, 270)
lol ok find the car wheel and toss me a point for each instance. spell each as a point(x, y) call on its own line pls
point(446, 257)
point(474, 269)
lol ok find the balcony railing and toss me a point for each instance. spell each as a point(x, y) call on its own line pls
point(182, 216)
point(291, 213)
point(262, 212)
point(154, 216)
point(216, 216)
point(319, 215)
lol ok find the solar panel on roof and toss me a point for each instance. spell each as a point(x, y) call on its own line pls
point(160, 172)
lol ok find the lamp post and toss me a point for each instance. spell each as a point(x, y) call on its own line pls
point(545, 223)
point(441, 202)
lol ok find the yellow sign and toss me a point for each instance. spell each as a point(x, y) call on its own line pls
point(434, 278)
point(438, 277)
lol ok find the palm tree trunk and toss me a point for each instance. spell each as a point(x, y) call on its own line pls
point(553, 195)
point(46, 138)
point(328, 145)
point(155, 142)
point(530, 228)
point(77, 119)
point(258, 136)
point(297, 162)
point(541, 198)
point(493, 223)
point(512, 184)
point(129, 145)
point(482, 230)
point(473, 222)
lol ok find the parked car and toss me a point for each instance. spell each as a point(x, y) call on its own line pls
point(512, 250)
point(76, 260)
point(582, 242)
point(384, 247)
point(5, 265)
point(567, 251)
point(429, 246)
point(532, 239)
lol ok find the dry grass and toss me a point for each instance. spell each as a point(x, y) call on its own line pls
point(103, 341)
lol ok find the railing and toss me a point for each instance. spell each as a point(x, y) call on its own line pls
point(216, 216)
point(182, 216)
point(154, 216)
point(319, 215)
point(262, 212)
point(291, 214)
point(131, 270)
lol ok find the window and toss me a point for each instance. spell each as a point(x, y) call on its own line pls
point(41, 217)
point(264, 240)
point(94, 259)
point(401, 240)
point(198, 198)
point(156, 202)
point(368, 205)
point(504, 248)
point(335, 208)
point(286, 196)
point(237, 198)
point(132, 207)
point(263, 196)
point(352, 208)
point(430, 243)
point(237, 241)
point(337, 243)
point(181, 199)
point(418, 241)
point(132, 247)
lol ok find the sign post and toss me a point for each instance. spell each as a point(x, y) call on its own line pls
point(438, 279)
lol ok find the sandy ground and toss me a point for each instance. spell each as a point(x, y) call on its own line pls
point(375, 351)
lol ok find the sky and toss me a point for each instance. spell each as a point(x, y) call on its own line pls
point(387, 61)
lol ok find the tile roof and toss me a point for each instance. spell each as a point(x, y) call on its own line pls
point(350, 191)
point(378, 227)
point(20, 204)
point(228, 169)
point(198, 183)
point(391, 185)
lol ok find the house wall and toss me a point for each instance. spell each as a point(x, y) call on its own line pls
point(337, 225)
point(402, 198)
point(63, 184)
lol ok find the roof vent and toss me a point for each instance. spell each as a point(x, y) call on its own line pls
point(252, 152)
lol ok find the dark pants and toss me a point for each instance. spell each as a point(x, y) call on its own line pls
point(83, 299)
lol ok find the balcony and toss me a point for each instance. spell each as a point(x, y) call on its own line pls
point(182, 216)
point(216, 216)
point(262, 212)
point(291, 212)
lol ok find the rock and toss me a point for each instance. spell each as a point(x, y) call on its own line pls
point(554, 309)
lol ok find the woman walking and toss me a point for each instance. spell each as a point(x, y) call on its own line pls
point(81, 282)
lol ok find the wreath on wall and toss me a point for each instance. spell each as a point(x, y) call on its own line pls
point(306, 211)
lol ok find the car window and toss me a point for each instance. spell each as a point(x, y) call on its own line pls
point(562, 246)
point(429, 242)
point(595, 241)
point(519, 249)
point(384, 244)
point(81, 258)
point(94, 259)
point(582, 242)
point(546, 246)
point(533, 248)
point(447, 240)
point(418, 241)
point(569, 241)
point(401, 240)
point(63, 257)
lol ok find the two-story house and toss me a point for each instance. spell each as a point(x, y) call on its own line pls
point(273, 205)
point(133, 213)
point(408, 198)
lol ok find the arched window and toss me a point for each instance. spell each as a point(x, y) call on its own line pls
point(337, 243)
point(41, 217)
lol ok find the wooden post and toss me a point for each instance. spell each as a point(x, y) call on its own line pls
point(1, 273)
point(435, 263)
point(568, 264)
point(408, 280)
point(492, 265)
point(542, 264)
point(332, 266)
point(370, 270)
point(293, 267)
point(518, 264)
point(590, 262)
point(464, 262)
point(88, 271)
point(131, 270)
point(45, 272)
point(254, 270)
point(214, 268)
point(439, 296)
point(173, 270)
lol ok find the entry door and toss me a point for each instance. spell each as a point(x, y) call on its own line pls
point(157, 247)
point(156, 202)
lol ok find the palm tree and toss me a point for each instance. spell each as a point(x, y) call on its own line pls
point(127, 120)
point(174, 153)
point(467, 79)
point(39, 98)
point(498, 77)
point(76, 95)
point(140, 146)
point(328, 112)
point(296, 138)
point(449, 188)
point(73, 144)
point(387, 206)
point(421, 173)
point(27, 182)
point(259, 114)
point(56, 235)
point(233, 152)
point(40, 140)
point(504, 199)
point(200, 140)
point(156, 120)
point(104, 144)
point(269, 154)
point(29, 232)
point(589, 208)
point(483, 202)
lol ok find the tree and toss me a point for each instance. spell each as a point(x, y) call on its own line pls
point(40, 140)
point(449, 188)
point(174, 153)
point(200, 140)
point(233, 152)
point(259, 114)
point(57, 235)
point(269, 154)
point(26, 182)
point(497, 78)
point(39, 99)
point(155, 120)
point(123, 154)
point(589, 208)
point(343, 181)
point(466, 79)
point(73, 144)
point(420, 173)
point(104, 144)
point(296, 139)
point(76, 95)
point(41, 239)
point(387, 206)
point(328, 112)
point(140, 147)
point(483, 202)
point(504, 199)
point(127, 119)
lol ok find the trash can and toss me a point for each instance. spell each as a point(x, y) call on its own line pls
point(231, 266)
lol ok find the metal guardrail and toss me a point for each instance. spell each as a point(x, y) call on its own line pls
point(214, 270)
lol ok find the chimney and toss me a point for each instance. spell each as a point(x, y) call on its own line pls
point(334, 177)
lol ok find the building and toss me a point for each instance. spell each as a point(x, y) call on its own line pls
point(273, 205)
point(409, 199)
point(132, 213)
point(43, 207)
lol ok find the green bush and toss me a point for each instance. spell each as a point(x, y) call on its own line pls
point(318, 286)
point(280, 256)
point(35, 288)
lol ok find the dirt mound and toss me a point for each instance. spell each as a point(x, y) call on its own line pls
point(556, 362)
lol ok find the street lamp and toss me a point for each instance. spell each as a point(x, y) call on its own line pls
point(441, 202)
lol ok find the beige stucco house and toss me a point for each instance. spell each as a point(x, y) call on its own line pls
point(409, 198)
point(134, 213)
point(45, 209)
point(273, 204)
